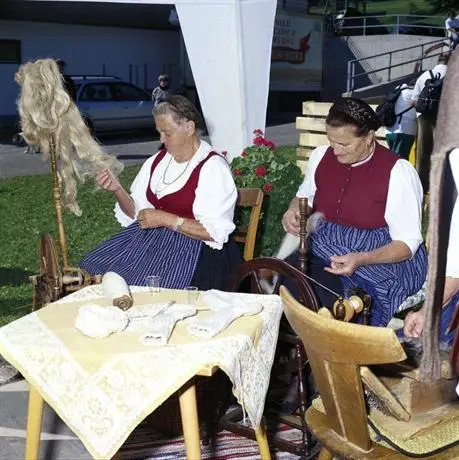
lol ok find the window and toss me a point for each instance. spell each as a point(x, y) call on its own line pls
point(10, 51)
point(127, 92)
point(96, 92)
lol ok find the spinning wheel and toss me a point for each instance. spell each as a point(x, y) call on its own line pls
point(53, 282)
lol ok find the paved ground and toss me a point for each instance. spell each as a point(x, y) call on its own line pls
point(129, 149)
point(58, 442)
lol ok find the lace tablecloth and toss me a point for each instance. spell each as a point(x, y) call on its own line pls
point(103, 388)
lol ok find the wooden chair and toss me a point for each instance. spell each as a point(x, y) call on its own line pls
point(337, 353)
point(312, 130)
point(249, 198)
point(250, 274)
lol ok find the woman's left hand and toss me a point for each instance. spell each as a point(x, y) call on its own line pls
point(154, 218)
point(344, 265)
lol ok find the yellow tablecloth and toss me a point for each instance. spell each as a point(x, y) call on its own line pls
point(103, 388)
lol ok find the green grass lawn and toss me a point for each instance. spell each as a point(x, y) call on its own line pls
point(27, 209)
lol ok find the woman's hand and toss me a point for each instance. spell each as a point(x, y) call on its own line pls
point(414, 323)
point(345, 265)
point(291, 221)
point(107, 181)
point(154, 218)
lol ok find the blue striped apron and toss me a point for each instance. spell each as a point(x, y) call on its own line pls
point(135, 254)
point(388, 284)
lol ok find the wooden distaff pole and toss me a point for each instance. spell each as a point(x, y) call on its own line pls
point(57, 201)
point(303, 234)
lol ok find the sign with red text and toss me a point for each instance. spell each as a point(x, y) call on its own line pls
point(296, 57)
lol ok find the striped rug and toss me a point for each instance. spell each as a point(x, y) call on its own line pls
point(145, 444)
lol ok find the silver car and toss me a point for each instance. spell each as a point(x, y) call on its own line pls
point(110, 104)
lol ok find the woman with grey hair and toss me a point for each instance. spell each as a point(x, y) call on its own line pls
point(178, 214)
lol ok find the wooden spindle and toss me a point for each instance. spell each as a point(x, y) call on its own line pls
point(57, 202)
point(303, 205)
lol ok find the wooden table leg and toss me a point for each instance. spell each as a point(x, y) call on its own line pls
point(262, 441)
point(34, 420)
point(190, 423)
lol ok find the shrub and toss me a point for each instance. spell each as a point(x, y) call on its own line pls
point(264, 166)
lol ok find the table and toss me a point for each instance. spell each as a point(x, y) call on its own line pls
point(103, 388)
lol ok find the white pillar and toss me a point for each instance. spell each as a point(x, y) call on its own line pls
point(229, 46)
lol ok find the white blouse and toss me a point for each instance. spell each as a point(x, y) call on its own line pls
point(403, 212)
point(216, 193)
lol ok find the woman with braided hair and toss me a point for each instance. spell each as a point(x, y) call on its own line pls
point(371, 202)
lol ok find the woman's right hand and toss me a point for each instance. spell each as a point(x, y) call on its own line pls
point(414, 323)
point(108, 181)
point(291, 221)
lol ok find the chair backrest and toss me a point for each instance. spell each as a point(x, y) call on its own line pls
point(254, 270)
point(249, 198)
point(336, 350)
point(312, 130)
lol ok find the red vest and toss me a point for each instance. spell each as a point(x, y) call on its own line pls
point(180, 202)
point(354, 196)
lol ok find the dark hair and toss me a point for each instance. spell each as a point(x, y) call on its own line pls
point(61, 63)
point(451, 14)
point(354, 112)
point(181, 109)
point(444, 58)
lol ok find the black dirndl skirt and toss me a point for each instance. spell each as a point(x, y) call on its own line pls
point(181, 261)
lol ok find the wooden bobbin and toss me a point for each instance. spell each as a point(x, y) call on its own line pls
point(345, 309)
point(124, 302)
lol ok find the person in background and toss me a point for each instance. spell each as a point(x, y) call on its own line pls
point(68, 82)
point(161, 92)
point(414, 321)
point(400, 137)
point(426, 122)
point(451, 26)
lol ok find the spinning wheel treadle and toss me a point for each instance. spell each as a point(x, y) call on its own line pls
point(53, 282)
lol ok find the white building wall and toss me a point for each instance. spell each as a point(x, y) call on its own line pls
point(88, 50)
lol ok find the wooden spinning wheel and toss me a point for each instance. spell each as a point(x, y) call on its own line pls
point(47, 286)
point(54, 282)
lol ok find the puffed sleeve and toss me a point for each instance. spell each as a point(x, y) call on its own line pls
point(215, 201)
point(452, 261)
point(404, 205)
point(138, 194)
point(308, 187)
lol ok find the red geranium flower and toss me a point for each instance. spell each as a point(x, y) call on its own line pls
point(259, 141)
point(270, 144)
point(267, 187)
point(237, 171)
point(225, 153)
point(258, 132)
point(261, 171)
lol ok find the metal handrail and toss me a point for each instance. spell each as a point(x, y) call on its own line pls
point(397, 50)
point(392, 27)
point(351, 75)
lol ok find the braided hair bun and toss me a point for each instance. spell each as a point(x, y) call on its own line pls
point(354, 112)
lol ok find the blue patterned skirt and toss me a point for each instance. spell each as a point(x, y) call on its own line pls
point(181, 261)
point(388, 284)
